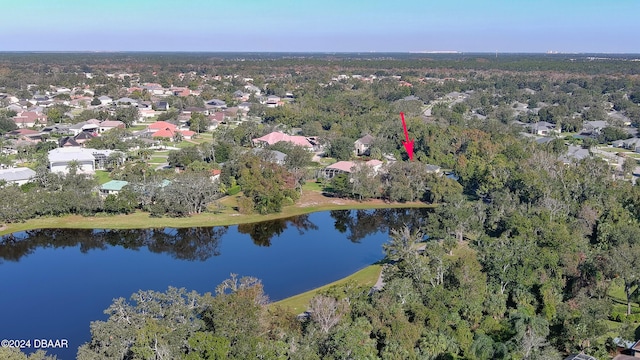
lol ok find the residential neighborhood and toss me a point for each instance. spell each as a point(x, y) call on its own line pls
point(509, 183)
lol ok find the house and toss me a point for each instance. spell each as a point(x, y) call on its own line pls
point(161, 125)
point(181, 91)
point(216, 104)
point(242, 96)
point(245, 106)
point(110, 124)
point(273, 101)
point(594, 127)
point(127, 101)
point(27, 119)
point(112, 187)
point(216, 119)
point(347, 167)
point(363, 144)
point(215, 174)
point(146, 113)
point(101, 157)
point(276, 137)
point(272, 155)
point(164, 134)
point(91, 125)
point(187, 134)
point(60, 158)
point(154, 88)
point(544, 128)
point(105, 100)
point(579, 357)
point(29, 134)
point(18, 176)
point(194, 109)
point(162, 106)
point(58, 129)
point(574, 154)
point(253, 89)
point(84, 137)
point(433, 169)
point(631, 144)
point(68, 141)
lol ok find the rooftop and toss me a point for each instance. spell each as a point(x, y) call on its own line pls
point(71, 154)
point(114, 185)
point(16, 174)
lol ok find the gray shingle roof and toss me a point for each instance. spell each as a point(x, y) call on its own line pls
point(16, 174)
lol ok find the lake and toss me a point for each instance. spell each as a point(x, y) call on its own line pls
point(56, 281)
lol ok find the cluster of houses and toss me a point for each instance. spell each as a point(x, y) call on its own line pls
point(89, 160)
point(34, 126)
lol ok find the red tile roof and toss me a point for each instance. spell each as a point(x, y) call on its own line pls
point(162, 125)
point(165, 133)
point(276, 137)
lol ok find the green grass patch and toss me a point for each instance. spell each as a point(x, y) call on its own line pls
point(312, 186)
point(614, 150)
point(325, 161)
point(184, 144)
point(225, 214)
point(297, 304)
point(157, 160)
point(102, 176)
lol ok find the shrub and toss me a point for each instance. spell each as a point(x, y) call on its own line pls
point(234, 190)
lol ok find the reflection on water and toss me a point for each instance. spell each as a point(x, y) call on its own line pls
point(198, 243)
point(57, 277)
point(201, 243)
point(262, 232)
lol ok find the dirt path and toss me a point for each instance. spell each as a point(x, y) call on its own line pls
point(380, 283)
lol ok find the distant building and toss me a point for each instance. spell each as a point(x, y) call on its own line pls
point(433, 169)
point(112, 187)
point(60, 158)
point(363, 144)
point(276, 137)
point(347, 167)
point(17, 176)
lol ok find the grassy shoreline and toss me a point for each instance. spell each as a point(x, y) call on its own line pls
point(297, 304)
point(310, 202)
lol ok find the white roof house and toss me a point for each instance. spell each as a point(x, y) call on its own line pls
point(60, 158)
point(18, 176)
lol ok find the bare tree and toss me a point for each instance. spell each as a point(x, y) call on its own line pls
point(326, 311)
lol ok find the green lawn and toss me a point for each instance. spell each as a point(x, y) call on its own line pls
point(297, 304)
point(102, 176)
point(226, 216)
point(312, 186)
point(325, 161)
point(193, 142)
point(157, 160)
point(616, 294)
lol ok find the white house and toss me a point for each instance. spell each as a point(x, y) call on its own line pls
point(60, 158)
point(105, 100)
point(18, 176)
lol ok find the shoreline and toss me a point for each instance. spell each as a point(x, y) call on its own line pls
point(310, 202)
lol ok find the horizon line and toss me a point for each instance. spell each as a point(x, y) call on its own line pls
point(428, 52)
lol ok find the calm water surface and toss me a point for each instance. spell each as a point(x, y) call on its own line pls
point(55, 282)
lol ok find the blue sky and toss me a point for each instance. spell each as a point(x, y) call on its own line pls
point(321, 26)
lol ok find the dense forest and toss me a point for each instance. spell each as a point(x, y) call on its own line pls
point(528, 254)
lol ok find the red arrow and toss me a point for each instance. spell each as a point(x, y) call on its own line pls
point(408, 144)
